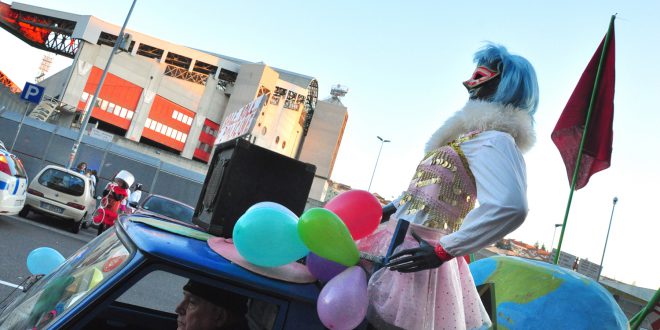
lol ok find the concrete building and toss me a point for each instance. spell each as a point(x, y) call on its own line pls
point(325, 133)
point(174, 97)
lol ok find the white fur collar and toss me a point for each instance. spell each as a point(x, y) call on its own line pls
point(485, 116)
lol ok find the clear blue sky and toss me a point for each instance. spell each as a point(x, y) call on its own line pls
point(404, 63)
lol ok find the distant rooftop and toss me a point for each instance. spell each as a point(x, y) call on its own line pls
point(639, 292)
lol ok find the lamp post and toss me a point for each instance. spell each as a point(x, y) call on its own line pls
point(552, 246)
point(83, 126)
point(606, 238)
point(382, 141)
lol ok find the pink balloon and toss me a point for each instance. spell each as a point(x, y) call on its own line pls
point(343, 302)
point(359, 210)
point(323, 269)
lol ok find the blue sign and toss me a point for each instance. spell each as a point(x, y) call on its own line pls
point(32, 93)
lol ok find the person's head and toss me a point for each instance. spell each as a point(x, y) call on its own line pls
point(124, 179)
point(138, 186)
point(503, 78)
point(205, 307)
point(94, 172)
point(82, 166)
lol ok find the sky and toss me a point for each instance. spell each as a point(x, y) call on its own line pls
point(404, 62)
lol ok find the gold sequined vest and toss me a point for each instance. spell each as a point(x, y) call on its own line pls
point(443, 187)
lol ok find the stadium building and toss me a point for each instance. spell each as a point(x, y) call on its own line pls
point(172, 97)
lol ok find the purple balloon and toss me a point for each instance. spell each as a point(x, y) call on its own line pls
point(343, 302)
point(323, 269)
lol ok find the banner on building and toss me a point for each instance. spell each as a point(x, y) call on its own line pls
point(240, 123)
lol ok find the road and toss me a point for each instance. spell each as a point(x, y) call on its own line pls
point(19, 236)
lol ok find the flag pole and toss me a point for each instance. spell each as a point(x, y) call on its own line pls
point(637, 320)
point(584, 136)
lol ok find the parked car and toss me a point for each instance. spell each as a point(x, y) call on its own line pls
point(131, 277)
point(13, 183)
point(165, 208)
point(62, 193)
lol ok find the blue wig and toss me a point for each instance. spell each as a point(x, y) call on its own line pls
point(518, 85)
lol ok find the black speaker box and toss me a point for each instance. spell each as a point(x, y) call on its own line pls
point(242, 174)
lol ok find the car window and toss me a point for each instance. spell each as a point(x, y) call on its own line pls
point(12, 165)
point(18, 169)
point(62, 181)
point(162, 291)
point(169, 208)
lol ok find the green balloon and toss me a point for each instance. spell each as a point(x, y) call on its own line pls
point(327, 236)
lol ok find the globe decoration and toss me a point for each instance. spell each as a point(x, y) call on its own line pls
point(531, 294)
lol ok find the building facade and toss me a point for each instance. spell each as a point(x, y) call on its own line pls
point(174, 97)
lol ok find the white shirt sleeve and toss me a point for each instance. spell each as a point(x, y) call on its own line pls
point(135, 196)
point(499, 171)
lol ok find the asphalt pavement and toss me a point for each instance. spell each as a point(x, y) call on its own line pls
point(19, 236)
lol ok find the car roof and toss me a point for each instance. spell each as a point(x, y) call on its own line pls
point(197, 256)
point(64, 169)
point(167, 198)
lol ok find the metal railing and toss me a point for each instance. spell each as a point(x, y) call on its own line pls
point(183, 74)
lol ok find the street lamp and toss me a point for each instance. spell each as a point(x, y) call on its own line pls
point(606, 238)
point(120, 37)
point(382, 141)
point(557, 225)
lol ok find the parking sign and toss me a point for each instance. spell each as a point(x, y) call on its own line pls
point(32, 93)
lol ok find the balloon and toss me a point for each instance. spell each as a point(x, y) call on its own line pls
point(323, 269)
point(268, 237)
point(97, 277)
point(326, 235)
point(44, 260)
point(359, 210)
point(272, 205)
point(343, 302)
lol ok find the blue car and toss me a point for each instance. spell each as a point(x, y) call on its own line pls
point(132, 277)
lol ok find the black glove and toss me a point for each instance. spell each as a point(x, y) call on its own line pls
point(388, 210)
point(416, 259)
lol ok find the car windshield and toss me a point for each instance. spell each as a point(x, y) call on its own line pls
point(19, 170)
point(68, 285)
point(63, 182)
point(169, 208)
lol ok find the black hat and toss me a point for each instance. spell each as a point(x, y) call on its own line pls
point(231, 301)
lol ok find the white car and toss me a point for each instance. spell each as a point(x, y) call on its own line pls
point(13, 183)
point(61, 193)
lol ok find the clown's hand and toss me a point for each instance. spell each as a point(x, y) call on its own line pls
point(426, 256)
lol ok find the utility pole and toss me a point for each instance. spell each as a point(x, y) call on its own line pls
point(83, 125)
point(382, 141)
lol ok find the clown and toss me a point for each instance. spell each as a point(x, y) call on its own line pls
point(113, 194)
point(475, 155)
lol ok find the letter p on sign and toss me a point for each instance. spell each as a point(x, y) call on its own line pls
point(32, 93)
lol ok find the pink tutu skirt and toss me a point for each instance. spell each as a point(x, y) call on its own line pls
point(440, 298)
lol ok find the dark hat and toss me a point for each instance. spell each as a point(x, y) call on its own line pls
point(231, 301)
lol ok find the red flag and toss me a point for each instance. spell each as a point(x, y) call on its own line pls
point(597, 151)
